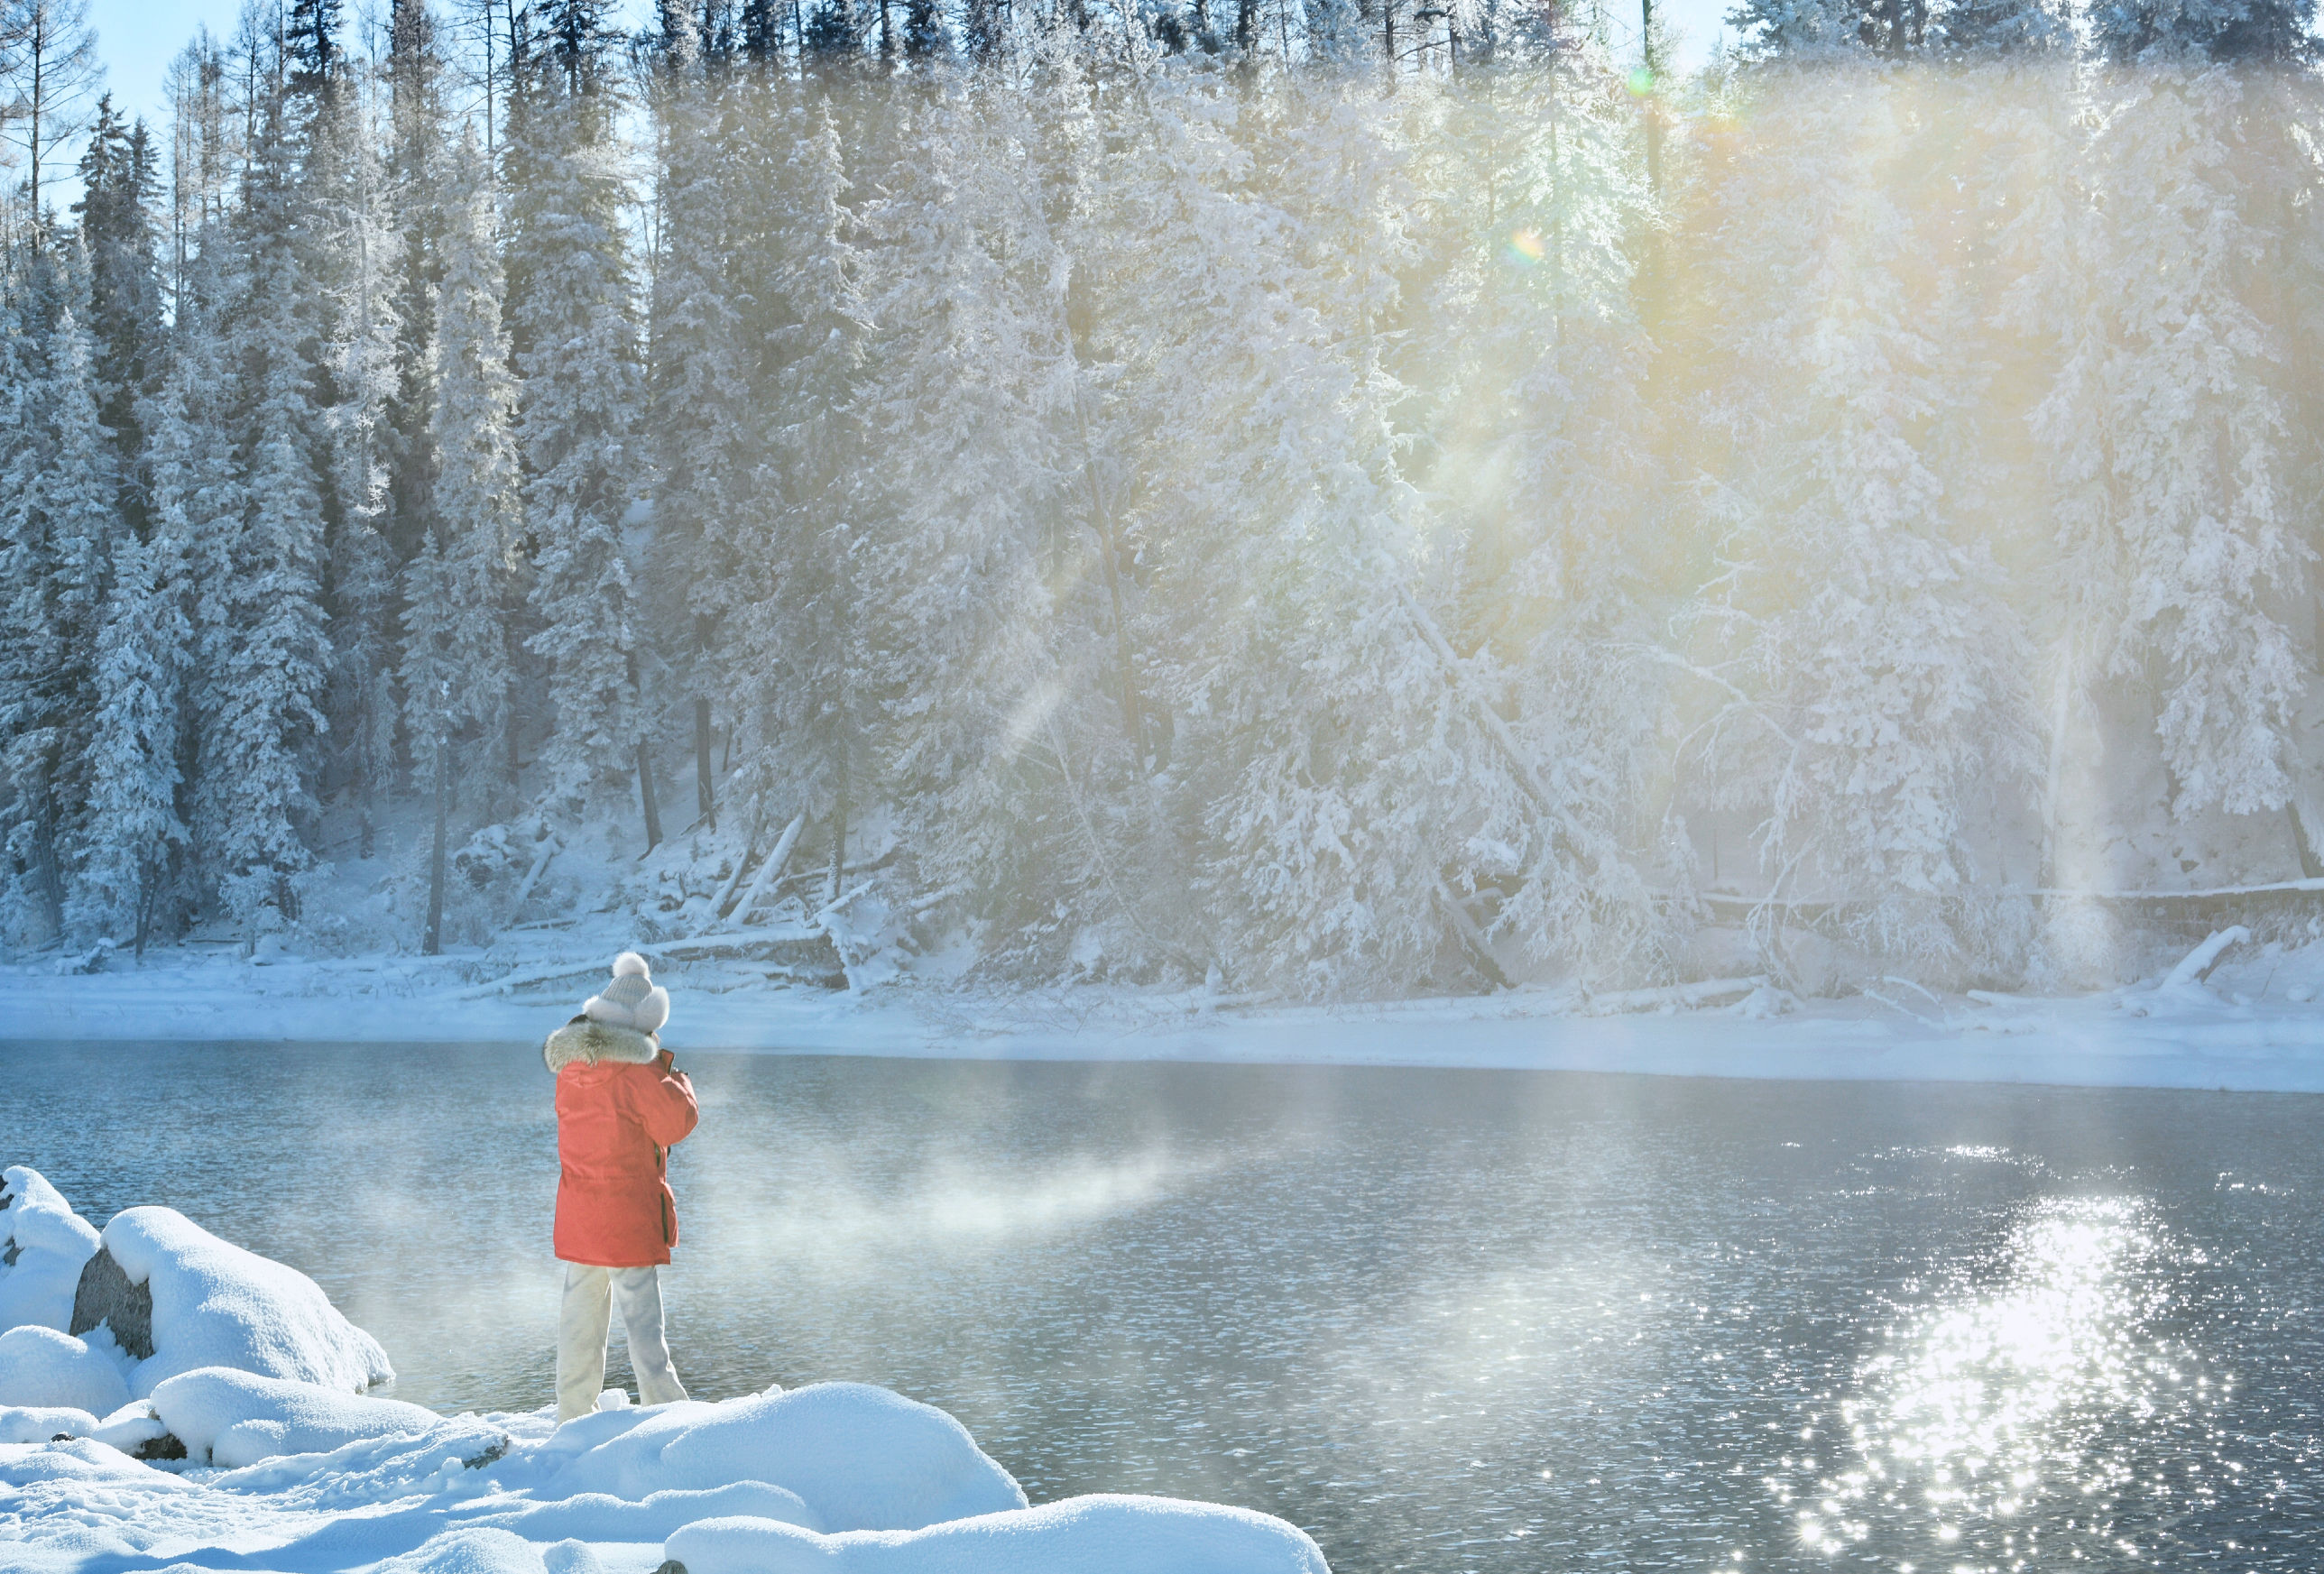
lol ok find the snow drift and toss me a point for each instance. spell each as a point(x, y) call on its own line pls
point(250, 1436)
point(1118, 1535)
point(214, 1304)
point(238, 1418)
point(43, 1246)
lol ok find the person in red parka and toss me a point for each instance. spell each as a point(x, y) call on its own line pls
point(621, 1105)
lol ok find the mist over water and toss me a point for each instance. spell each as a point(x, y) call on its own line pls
point(1444, 1319)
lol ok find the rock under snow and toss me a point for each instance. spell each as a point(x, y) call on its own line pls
point(40, 1366)
point(43, 1245)
point(234, 1418)
point(1117, 1534)
point(214, 1304)
point(859, 1457)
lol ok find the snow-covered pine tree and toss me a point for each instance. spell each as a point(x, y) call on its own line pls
point(1868, 678)
point(415, 170)
point(699, 418)
point(1337, 747)
point(572, 323)
point(265, 645)
point(59, 524)
point(196, 502)
point(1532, 342)
point(455, 667)
point(795, 635)
point(2178, 543)
point(969, 388)
point(355, 267)
point(119, 185)
point(134, 829)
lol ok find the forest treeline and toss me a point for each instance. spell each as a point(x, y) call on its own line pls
point(1329, 499)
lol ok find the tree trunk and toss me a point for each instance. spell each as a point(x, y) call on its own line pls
point(646, 796)
point(838, 831)
point(705, 796)
point(432, 942)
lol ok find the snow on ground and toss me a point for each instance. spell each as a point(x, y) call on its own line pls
point(225, 1467)
point(2253, 1023)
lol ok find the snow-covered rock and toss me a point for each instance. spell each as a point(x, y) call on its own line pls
point(214, 1304)
point(1080, 1535)
point(234, 1418)
point(40, 1423)
point(43, 1244)
point(859, 1457)
point(245, 1364)
point(40, 1366)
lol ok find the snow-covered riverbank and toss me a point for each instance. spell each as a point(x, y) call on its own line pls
point(2253, 1023)
point(211, 1412)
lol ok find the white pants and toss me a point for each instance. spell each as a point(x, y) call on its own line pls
point(582, 1323)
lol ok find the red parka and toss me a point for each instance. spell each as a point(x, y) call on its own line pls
point(621, 1107)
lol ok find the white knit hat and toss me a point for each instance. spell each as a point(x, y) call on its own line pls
point(632, 999)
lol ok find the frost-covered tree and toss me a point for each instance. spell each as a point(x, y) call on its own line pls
point(134, 828)
point(2179, 540)
point(456, 668)
point(1339, 747)
point(572, 320)
point(262, 624)
point(970, 388)
point(701, 420)
point(59, 522)
point(797, 638)
point(120, 182)
point(1866, 672)
point(415, 169)
point(1533, 342)
point(356, 269)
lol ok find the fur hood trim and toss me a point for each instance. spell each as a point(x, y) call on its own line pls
point(582, 1041)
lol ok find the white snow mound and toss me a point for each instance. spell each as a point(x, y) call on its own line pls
point(217, 1305)
point(43, 1244)
point(38, 1423)
point(1105, 1534)
point(238, 1418)
point(859, 1457)
point(40, 1366)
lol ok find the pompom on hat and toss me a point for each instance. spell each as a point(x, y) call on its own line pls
point(632, 1001)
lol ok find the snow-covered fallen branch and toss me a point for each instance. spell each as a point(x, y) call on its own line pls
point(1708, 992)
point(2197, 964)
point(527, 980)
point(769, 870)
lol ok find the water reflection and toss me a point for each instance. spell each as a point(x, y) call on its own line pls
point(2009, 1424)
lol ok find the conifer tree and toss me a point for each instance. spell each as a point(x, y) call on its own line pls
point(266, 648)
point(356, 270)
point(59, 525)
point(1869, 673)
point(2177, 541)
point(796, 629)
point(456, 668)
point(699, 418)
point(120, 182)
point(141, 650)
point(968, 386)
point(572, 321)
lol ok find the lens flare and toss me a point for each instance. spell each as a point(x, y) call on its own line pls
point(1640, 82)
point(1526, 248)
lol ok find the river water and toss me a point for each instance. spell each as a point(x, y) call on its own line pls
point(1445, 1321)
